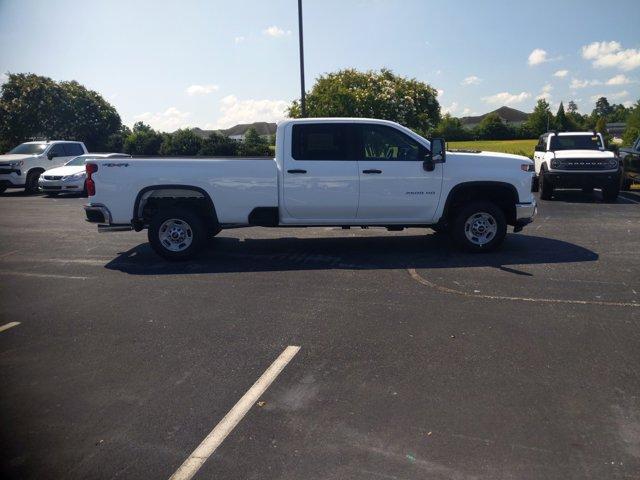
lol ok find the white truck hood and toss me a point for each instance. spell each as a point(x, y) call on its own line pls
point(583, 154)
point(66, 170)
point(12, 157)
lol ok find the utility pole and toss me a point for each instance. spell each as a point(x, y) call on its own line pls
point(303, 107)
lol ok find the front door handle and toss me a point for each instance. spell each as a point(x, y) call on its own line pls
point(296, 170)
point(372, 170)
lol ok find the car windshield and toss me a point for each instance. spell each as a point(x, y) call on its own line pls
point(576, 142)
point(29, 148)
point(76, 162)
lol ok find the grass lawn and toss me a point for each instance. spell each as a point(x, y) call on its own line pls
point(518, 147)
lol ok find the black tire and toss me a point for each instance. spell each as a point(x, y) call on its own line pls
point(31, 185)
point(3, 188)
point(587, 190)
point(546, 188)
point(188, 227)
point(610, 193)
point(488, 214)
point(625, 183)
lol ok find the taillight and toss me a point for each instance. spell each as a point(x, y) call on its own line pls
point(91, 186)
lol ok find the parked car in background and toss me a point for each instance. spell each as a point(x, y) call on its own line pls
point(330, 172)
point(630, 158)
point(23, 165)
point(71, 177)
point(576, 160)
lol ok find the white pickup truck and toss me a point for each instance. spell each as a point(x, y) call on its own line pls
point(326, 172)
point(23, 165)
point(576, 160)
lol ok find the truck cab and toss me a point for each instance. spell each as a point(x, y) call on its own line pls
point(23, 165)
point(575, 160)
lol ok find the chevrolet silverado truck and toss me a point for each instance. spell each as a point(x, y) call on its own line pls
point(23, 165)
point(326, 172)
point(630, 158)
point(575, 160)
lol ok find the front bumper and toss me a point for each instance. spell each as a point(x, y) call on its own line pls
point(564, 179)
point(12, 177)
point(61, 186)
point(525, 213)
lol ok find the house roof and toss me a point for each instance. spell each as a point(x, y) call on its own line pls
point(507, 114)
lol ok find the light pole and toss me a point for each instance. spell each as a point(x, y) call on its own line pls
point(303, 108)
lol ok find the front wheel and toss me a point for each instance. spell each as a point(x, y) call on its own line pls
point(479, 226)
point(176, 234)
point(610, 193)
point(31, 184)
point(546, 188)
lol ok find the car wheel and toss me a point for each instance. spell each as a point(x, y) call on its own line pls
point(625, 183)
point(176, 234)
point(31, 185)
point(2, 188)
point(546, 189)
point(610, 193)
point(479, 226)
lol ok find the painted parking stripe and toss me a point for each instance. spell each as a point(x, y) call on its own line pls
point(9, 325)
point(42, 275)
point(212, 441)
point(629, 199)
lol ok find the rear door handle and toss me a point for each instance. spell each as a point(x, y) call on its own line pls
point(296, 170)
point(372, 170)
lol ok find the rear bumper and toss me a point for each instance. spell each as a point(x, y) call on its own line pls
point(97, 213)
point(582, 179)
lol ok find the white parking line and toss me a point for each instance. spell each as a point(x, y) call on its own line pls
point(7, 326)
point(629, 199)
point(41, 275)
point(212, 441)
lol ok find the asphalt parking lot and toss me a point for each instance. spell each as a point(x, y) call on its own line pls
point(415, 361)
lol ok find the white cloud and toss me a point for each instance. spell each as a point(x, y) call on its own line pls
point(611, 54)
point(275, 31)
point(239, 39)
point(619, 80)
point(168, 121)
point(451, 109)
point(546, 92)
point(466, 111)
point(201, 89)
point(610, 96)
point(471, 80)
point(440, 92)
point(537, 56)
point(577, 83)
point(506, 98)
point(236, 111)
point(627, 103)
point(561, 73)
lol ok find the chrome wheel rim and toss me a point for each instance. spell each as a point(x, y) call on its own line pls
point(480, 228)
point(175, 235)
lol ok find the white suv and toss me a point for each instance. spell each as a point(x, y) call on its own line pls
point(576, 160)
point(22, 166)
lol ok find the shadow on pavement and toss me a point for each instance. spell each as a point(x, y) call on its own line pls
point(225, 255)
point(578, 196)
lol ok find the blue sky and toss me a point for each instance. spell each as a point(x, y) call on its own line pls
point(214, 63)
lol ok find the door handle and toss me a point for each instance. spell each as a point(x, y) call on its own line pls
point(372, 170)
point(296, 170)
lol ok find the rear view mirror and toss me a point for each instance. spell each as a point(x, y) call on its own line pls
point(437, 155)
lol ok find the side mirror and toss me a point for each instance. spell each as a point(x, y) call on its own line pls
point(437, 154)
point(51, 155)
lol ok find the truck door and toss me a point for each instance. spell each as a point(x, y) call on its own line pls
point(538, 154)
point(320, 177)
point(394, 186)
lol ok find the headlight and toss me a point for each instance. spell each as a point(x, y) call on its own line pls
point(75, 176)
point(555, 163)
point(613, 163)
point(16, 163)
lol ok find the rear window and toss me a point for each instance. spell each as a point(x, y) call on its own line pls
point(576, 142)
point(72, 149)
point(322, 141)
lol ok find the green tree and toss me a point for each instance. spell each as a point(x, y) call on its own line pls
point(602, 109)
point(351, 93)
point(562, 121)
point(541, 120)
point(572, 107)
point(217, 144)
point(632, 131)
point(32, 106)
point(493, 128)
point(143, 140)
point(451, 129)
point(181, 142)
point(254, 145)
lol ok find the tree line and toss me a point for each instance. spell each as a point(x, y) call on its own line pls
point(33, 106)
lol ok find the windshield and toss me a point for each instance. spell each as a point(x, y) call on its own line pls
point(76, 162)
point(576, 142)
point(29, 148)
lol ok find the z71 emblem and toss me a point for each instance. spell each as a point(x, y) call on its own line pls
point(116, 164)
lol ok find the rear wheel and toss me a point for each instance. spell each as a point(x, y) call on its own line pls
point(479, 226)
point(31, 185)
point(177, 234)
point(2, 188)
point(546, 188)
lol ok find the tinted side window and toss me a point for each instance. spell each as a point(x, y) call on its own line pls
point(73, 149)
point(57, 150)
point(380, 142)
point(322, 141)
